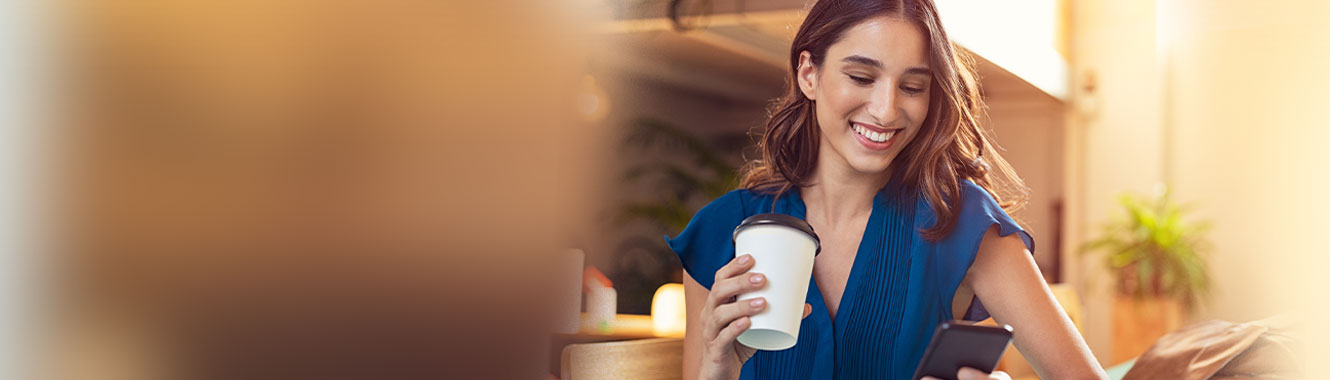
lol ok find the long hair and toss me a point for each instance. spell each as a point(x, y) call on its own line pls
point(951, 144)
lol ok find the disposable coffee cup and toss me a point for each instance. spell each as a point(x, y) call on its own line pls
point(783, 248)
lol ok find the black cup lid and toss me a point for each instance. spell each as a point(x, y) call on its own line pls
point(779, 220)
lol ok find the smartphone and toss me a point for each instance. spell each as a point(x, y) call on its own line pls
point(959, 344)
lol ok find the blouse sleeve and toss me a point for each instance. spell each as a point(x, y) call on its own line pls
point(705, 244)
point(979, 211)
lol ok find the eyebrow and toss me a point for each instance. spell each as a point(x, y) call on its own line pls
point(859, 59)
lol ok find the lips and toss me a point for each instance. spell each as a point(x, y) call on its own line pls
point(874, 137)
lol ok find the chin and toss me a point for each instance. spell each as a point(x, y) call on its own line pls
point(870, 165)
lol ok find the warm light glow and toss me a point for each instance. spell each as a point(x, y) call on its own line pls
point(667, 310)
point(592, 103)
point(1021, 37)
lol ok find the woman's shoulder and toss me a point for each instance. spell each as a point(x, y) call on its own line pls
point(743, 202)
point(973, 203)
point(975, 196)
point(705, 244)
point(979, 211)
point(725, 212)
point(735, 199)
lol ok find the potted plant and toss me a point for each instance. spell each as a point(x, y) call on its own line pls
point(1156, 255)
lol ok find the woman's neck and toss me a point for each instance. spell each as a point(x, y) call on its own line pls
point(840, 194)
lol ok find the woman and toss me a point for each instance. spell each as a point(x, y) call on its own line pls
point(878, 147)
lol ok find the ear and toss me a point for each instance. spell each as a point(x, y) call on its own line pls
point(807, 75)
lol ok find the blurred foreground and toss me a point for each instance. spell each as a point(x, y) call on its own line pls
point(287, 190)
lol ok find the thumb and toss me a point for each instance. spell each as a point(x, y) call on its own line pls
point(808, 309)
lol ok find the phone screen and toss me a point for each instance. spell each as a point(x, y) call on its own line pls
point(958, 344)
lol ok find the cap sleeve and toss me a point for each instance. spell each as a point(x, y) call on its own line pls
point(979, 211)
point(705, 244)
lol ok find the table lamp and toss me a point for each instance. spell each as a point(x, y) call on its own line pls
point(668, 310)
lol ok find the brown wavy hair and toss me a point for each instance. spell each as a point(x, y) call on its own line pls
point(951, 144)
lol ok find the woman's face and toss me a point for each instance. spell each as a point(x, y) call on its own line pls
point(871, 93)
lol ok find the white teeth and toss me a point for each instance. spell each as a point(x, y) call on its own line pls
point(872, 135)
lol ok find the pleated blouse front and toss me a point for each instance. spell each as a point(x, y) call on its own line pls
point(900, 286)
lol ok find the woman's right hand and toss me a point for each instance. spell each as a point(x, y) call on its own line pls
point(724, 318)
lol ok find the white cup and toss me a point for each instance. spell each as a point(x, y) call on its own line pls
point(569, 291)
point(783, 248)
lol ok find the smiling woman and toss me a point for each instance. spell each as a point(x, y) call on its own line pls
point(908, 59)
point(877, 145)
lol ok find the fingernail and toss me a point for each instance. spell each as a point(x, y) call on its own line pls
point(744, 259)
point(756, 302)
point(757, 278)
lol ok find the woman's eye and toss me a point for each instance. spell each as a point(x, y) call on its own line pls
point(912, 90)
point(860, 80)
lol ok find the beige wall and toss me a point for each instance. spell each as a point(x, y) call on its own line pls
point(1113, 140)
point(1246, 91)
point(1223, 107)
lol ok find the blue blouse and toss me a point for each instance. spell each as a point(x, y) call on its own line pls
point(900, 288)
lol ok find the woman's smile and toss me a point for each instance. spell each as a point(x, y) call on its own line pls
point(871, 93)
point(874, 137)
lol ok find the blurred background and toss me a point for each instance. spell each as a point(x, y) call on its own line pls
point(402, 189)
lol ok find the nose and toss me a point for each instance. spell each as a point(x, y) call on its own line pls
point(883, 105)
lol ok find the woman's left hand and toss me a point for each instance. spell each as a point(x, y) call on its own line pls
point(967, 373)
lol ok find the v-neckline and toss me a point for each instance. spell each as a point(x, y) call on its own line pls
point(861, 257)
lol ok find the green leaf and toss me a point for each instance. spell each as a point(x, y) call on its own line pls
point(1155, 248)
